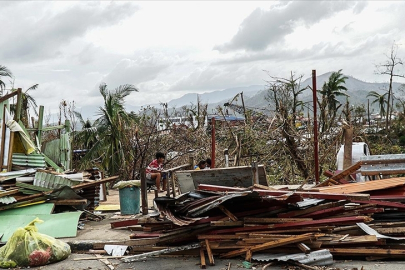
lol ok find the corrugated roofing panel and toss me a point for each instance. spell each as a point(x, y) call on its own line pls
point(7, 200)
point(32, 160)
point(319, 257)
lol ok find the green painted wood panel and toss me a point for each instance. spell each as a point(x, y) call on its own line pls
point(36, 209)
point(56, 225)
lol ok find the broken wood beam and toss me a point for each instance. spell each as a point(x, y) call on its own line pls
point(303, 194)
point(203, 265)
point(389, 253)
point(158, 252)
point(271, 244)
point(312, 209)
point(273, 220)
point(227, 212)
point(209, 252)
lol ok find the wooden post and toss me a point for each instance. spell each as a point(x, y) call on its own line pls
point(226, 154)
point(144, 194)
point(202, 258)
point(173, 183)
point(347, 156)
point(191, 162)
point(255, 171)
point(3, 136)
point(213, 142)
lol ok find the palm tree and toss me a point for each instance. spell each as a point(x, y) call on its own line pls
point(27, 102)
point(87, 136)
point(110, 128)
point(4, 72)
point(332, 89)
point(380, 99)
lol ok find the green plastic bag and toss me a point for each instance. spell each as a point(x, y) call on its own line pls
point(28, 247)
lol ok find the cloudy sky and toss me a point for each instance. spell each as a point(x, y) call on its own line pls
point(167, 49)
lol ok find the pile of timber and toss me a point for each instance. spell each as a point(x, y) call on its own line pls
point(257, 223)
point(86, 194)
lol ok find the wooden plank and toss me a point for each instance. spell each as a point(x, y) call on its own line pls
point(350, 170)
point(226, 223)
point(69, 202)
point(273, 220)
point(219, 237)
point(132, 243)
point(303, 194)
point(383, 203)
point(228, 213)
point(388, 253)
point(209, 252)
point(203, 265)
point(304, 248)
point(144, 194)
point(349, 240)
point(8, 193)
point(312, 209)
point(330, 221)
point(124, 223)
point(270, 244)
point(363, 186)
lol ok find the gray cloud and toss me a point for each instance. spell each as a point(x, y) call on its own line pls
point(263, 28)
point(217, 78)
point(129, 71)
point(43, 35)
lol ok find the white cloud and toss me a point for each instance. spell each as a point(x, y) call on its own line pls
point(167, 49)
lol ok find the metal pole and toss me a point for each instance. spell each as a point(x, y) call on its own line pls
point(315, 128)
point(213, 142)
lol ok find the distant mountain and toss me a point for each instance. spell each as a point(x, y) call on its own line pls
point(215, 96)
point(356, 89)
point(255, 95)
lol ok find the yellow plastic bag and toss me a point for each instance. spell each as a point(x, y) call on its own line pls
point(28, 247)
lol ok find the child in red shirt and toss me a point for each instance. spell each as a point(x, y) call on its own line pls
point(154, 171)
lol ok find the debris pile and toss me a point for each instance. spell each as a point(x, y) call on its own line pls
point(261, 223)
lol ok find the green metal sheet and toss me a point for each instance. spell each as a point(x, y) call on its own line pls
point(36, 209)
point(32, 160)
point(57, 225)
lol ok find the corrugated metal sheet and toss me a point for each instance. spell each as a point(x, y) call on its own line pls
point(371, 231)
point(59, 151)
point(319, 257)
point(7, 200)
point(308, 202)
point(32, 160)
point(47, 180)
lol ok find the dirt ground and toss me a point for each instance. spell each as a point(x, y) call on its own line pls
point(94, 231)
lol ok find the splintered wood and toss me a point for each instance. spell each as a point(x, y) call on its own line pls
point(239, 222)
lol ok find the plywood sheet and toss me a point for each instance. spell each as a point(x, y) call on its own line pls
point(56, 225)
point(363, 186)
point(108, 207)
point(231, 177)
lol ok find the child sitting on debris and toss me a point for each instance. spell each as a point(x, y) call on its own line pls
point(201, 165)
point(208, 164)
point(154, 171)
